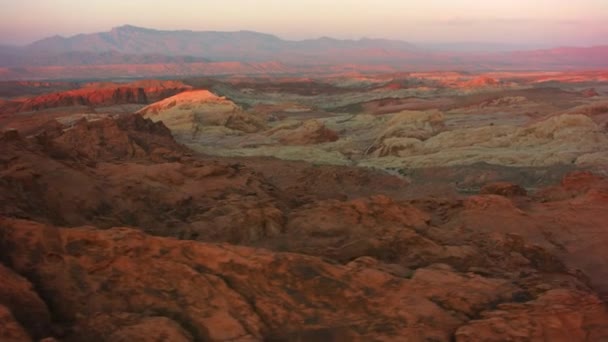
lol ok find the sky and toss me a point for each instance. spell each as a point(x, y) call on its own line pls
point(518, 22)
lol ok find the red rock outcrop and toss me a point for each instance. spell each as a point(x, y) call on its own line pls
point(480, 81)
point(590, 92)
point(155, 90)
point(98, 95)
point(10, 329)
point(350, 266)
point(18, 295)
point(224, 290)
point(127, 171)
point(84, 97)
point(557, 315)
point(504, 189)
point(98, 288)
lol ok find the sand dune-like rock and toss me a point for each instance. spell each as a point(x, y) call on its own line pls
point(186, 114)
point(412, 124)
point(557, 140)
point(406, 128)
point(598, 111)
point(188, 100)
point(503, 101)
point(302, 133)
point(309, 153)
point(591, 159)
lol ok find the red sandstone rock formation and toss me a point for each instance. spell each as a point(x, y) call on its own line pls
point(190, 266)
point(98, 95)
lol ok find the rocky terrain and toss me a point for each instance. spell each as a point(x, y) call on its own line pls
point(96, 95)
point(399, 122)
point(239, 210)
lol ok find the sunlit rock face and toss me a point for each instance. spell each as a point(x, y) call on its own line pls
point(189, 113)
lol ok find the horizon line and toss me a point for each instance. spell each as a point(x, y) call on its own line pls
point(414, 43)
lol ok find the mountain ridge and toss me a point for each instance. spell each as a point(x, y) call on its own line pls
point(243, 46)
point(177, 52)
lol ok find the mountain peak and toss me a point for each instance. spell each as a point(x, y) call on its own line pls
point(54, 38)
point(130, 28)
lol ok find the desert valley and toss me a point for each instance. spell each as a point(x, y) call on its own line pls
point(199, 199)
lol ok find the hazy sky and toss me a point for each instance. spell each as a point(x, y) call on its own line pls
point(544, 22)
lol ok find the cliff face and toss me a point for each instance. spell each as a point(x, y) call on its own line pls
point(334, 266)
point(97, 95)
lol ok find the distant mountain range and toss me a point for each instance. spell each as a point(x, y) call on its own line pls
point(241, 46)
point(182, 52)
